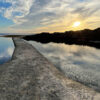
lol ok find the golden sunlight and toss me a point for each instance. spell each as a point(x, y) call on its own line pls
point(76, 24)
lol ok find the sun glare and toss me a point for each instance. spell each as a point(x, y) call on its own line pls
point(76, 24)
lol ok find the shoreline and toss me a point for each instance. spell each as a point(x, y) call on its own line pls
point(29, 71)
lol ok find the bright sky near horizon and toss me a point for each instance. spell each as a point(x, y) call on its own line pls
point(34, 16)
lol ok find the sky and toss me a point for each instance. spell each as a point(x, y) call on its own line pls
point(35, 16)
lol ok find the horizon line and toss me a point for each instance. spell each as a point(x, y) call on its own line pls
point(45, 32)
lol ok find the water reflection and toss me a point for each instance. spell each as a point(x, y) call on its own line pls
point(80, 63)
point(6, 49)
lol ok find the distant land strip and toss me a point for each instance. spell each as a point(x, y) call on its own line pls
point(83, 37)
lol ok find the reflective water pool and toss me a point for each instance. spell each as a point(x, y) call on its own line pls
point(80, 63)
point(6, 49)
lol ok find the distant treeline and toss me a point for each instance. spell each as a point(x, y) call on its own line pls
point(83, 37)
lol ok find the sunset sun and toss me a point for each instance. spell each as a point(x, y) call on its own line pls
point(76, 24)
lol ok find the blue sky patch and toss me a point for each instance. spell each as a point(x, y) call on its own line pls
point(5, 5)
point(5, 22)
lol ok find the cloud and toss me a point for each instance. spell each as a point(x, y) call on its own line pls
point(18, 10)
point(10, 51)
point(37, 15)
point(6, 49)
point(7, 53)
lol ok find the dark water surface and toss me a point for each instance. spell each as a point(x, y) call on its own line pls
point(6, 49)
point(80, 63)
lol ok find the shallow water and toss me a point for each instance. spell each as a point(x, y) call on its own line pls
point(80, 63)
point(6, 49)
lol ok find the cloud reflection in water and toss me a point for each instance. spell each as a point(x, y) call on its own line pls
point(6, 49)
point(80, 63)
